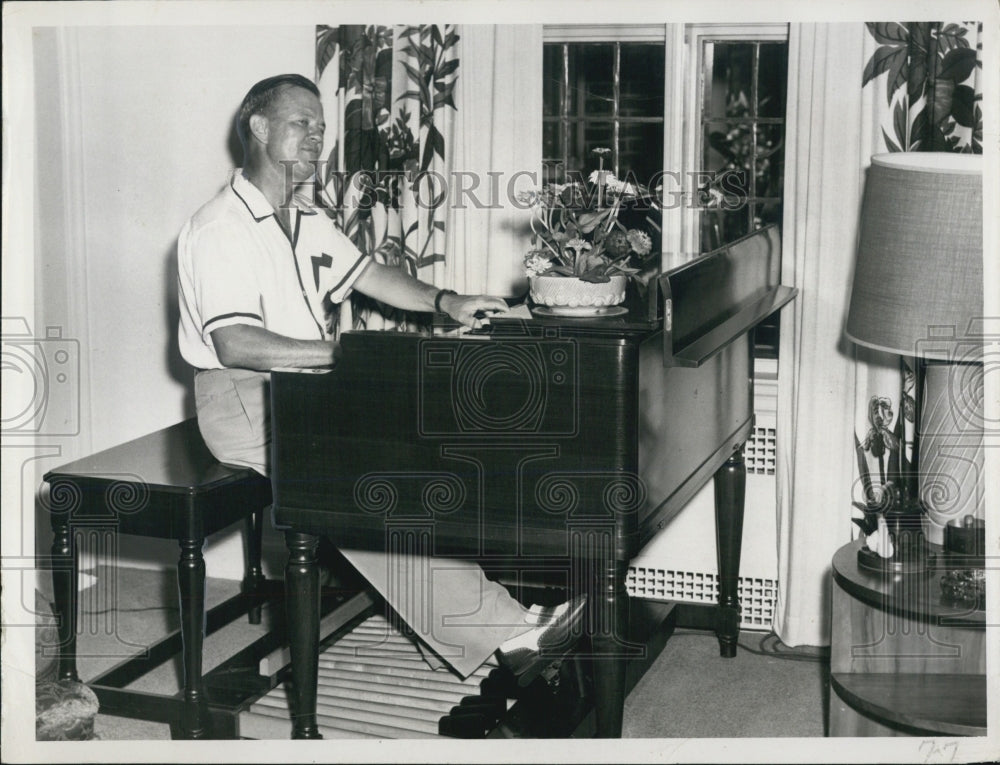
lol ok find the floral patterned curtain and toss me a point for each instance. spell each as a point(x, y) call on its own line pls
point(388, 97)
point(933, 89)
point(930, 74)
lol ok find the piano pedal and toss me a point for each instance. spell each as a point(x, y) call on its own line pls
point(550, 675)
point(474, 717)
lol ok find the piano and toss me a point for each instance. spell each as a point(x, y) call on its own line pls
point(550, 444)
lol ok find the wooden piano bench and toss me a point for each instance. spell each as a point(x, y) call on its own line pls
point(165, 485)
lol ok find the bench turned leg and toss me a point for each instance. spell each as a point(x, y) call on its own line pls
point(64, 589)
point(730, 493)
point(302, 602)
point(253, 574)
point(191, 587)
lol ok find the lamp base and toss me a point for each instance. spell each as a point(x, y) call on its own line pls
point(897, 564)
point(910, 552)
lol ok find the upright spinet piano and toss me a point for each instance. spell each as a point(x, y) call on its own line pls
point(546, 444)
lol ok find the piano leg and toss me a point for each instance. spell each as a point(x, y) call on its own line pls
point(730, 493)
point(608, 624)
point(302, 604)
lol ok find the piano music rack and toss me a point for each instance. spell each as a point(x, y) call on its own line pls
point(694, 329)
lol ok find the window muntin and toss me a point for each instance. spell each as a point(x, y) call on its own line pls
point(603, 94)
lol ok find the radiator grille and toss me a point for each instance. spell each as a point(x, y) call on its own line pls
point(757, 595)
point(759, 452)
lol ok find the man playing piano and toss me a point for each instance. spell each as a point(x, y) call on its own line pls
point(256, 264)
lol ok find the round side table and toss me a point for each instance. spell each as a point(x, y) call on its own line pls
point(903, 661)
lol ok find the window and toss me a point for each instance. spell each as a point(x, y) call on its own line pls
point(738, 102)
point(698, 101)
point(742, 135)
point(603, 94)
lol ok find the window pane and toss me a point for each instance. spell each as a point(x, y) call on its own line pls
point(642, 73)
point(770, 160)
point(768, 213)
point(772, 85)
point(731, 78)
point(728, 146)
point(595, 135)
point(640, 147)
point(551, 144)
point(632, 128)
point(720, 227)
point(553, 79)
point(594, 77)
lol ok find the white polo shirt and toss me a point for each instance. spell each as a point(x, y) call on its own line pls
point(237, 266)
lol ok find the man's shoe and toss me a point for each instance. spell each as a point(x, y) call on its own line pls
point(531, 652)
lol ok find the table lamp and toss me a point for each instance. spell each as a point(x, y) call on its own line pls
point(918, 292)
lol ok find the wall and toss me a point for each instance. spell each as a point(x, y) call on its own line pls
point(133, 130)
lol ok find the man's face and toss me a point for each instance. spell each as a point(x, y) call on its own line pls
point(295, 131)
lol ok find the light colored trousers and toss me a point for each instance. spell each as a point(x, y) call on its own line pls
point(449, 603)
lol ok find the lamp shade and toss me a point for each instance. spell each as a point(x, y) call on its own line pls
point(919, 273)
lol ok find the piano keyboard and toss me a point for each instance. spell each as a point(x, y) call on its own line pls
point(373, 683)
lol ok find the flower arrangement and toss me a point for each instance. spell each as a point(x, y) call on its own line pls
point(576, 231)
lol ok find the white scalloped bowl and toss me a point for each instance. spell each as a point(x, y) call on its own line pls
point(569, 294)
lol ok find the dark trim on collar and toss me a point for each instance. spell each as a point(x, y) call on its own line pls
point(258, 219)
point(300, 203)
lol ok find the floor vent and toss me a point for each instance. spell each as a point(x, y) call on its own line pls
point(757, 595)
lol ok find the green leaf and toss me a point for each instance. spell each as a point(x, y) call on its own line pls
point(436, 34)
point(916, 78)
point(447, 68)
point(958, 64)
point(881, 61)
point(588, 221)
point(889, 32)
point(963, 106)
point(413, 73)
point(940, 101)
point(414, 94)
point(899, 124)
point(897, 75)
point(326, 47)
point(952, 36)
point(444, 100)
point(435, 144)
point(889, 144)
point(920, 38)
point(594, 277)
point(626, 270)
point(919, 130)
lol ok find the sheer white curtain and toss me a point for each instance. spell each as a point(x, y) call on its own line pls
point(498, 151)
point(831, 134)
